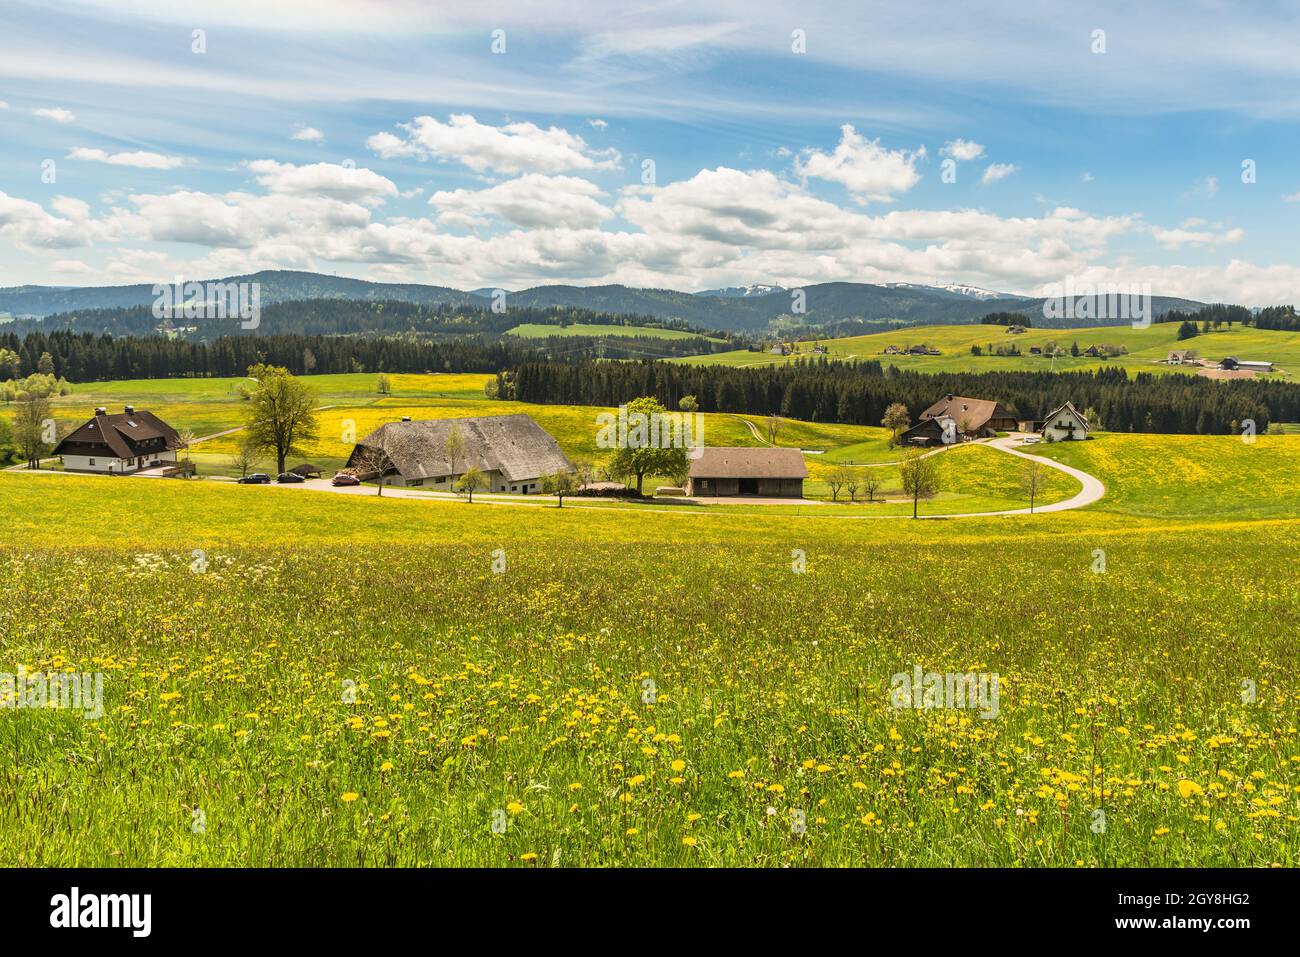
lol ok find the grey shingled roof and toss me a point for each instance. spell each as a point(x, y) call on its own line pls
point(513, 444)
point(721, 462)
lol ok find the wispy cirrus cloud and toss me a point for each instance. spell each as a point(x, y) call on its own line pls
point(996, 172)
point(56, 113)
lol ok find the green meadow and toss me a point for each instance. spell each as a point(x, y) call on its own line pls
point(297, 678)
point(293, 677)
point(1146, 348)
point(539, 330)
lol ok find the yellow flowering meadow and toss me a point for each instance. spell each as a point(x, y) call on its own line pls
point(642, 688)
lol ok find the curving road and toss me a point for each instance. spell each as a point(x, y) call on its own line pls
point(1092, 490)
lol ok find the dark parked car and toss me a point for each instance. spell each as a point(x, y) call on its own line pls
point(257, 478)
point(290, 478)
point(344, 479)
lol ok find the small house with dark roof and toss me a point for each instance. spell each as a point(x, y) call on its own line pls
point(513, 451)
point(120, 443)
point(772, 473)
point(1065, 424)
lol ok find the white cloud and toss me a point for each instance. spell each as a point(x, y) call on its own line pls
point(308, 134)
point(963, 150)
point(56, 113)
point(346, 183)
point(870, 172)
point(512, 148)
point(597, 124)
point(28, 226)
point(532, 200)
point(720, 226)
point(139, 159)
point(1293, 198)
point(997, 171)
point(3, 105)
point(1086, 177)
point(1184, 236)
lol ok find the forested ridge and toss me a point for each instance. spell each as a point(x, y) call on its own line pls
point(88, 357)
point(326, 317)
point(858, 393)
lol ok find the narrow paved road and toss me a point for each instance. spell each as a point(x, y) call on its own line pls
point(1091, 491)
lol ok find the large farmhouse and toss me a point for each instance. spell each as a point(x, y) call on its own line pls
point(512, 451)
point(1065, 424)
point(956, 417)
point(119, 444)
point(774, 473)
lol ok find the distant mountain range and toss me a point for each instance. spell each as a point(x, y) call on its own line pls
point(748, 309)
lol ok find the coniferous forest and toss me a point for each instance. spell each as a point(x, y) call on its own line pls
point(858, 393)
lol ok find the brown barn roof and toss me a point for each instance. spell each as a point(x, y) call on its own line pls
point(120, 433)
point(974, 414)
point(718, 462)
point(513, 444)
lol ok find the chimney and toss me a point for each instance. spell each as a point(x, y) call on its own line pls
point(101, 411)
point(130, 409)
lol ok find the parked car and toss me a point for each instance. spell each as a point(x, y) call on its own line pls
point(1031, 439)
point(290, 478)
point(257, 478)
point(343, 478)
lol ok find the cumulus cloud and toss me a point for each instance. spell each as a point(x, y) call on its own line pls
point(56, 113)
point(597, 124)
point(28, 226)
point(997, 171)
point(963, 150)
point(308, 134)
point(139, 159)
point(332, 180)
point(869, 171)
point(720, 226)
point(511, 148)
point(532, 200)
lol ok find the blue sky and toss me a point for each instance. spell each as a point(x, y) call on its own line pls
point(791, 143)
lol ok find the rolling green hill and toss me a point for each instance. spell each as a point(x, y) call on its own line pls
point(1146, 348)
point(539, 330)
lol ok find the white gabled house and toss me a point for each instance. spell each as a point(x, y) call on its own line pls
point(1065, 424)
point(119, 444)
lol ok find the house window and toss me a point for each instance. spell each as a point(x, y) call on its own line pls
point(92, 461)
point(417, 481)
